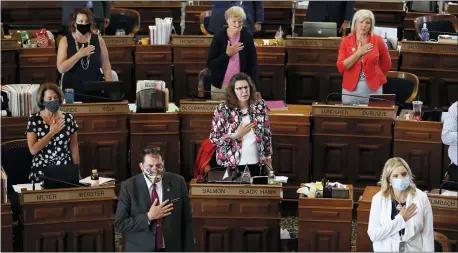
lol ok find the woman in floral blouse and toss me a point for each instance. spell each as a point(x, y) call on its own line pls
point(241, 128)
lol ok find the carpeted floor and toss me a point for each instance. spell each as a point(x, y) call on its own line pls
point(290, 223)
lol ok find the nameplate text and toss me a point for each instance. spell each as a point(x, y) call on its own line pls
point(192, 40)
point(449, 203)
point(10, 44)
point(95, 108)
point(348, 111)
point(198, 106)
point(313, 42)
point(119, 40)
point(428, 47)
point(84, 193)
point(238, 191)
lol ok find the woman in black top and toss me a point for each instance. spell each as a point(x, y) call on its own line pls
point(51, 134)
point(232, 45)
point(81, 54)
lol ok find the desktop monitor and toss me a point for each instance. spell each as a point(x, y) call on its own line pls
point(319, 29)
point(67, 174)
point(99, 91)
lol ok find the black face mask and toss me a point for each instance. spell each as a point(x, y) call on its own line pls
point(52, 106)
point(83, 29)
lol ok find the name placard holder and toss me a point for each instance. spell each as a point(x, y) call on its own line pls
point(189, 105)
point(353, 111)
point(235, 190)
point(191, 40)
point(313, 42)
point(446, 202)
point(106, 108)
point(80, 193)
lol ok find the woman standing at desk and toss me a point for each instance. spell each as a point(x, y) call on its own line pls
point(241, 128)
point(51, 133)
point(232, 51)
point(363, 59)
point(81, 54)
point(401, 217)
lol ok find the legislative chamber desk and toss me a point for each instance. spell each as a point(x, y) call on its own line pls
point(7, 228)
point(351, 143)
point(445, 217)
point(70, 219)
point(436, 66)
point(102, 136)
point(325, 223)
point(290, 140)
point(236, 217)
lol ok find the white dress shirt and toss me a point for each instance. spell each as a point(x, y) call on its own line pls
point(249, 151)
point(450, 132)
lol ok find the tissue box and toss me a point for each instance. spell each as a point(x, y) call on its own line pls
point(340, 193)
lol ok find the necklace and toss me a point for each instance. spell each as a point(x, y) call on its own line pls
point(85, 65)
point(399, 206)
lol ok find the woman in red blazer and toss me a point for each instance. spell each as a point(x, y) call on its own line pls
point(363, 59)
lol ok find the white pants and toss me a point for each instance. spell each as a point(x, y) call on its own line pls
point(362, 90)
point(219, 94)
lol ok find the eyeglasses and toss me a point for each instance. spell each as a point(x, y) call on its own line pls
point(242, 88)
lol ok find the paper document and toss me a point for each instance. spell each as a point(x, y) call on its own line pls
point(17, 188)
point(102, 180)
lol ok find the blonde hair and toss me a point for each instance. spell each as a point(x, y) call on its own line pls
point(362, 15)
point(388, 169)
point(235, 12)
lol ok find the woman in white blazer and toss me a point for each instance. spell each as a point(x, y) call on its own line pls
point(401, 218)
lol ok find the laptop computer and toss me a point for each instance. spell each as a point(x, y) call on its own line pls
point(99, 91)
point(61, 176)
point(319, 29)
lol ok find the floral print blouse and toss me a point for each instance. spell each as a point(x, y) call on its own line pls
point(226, 121)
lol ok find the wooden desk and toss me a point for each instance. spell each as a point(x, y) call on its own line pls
point(420, 144)
point(154, 62)
point(276, 14)
point(9, 61)
point(192, 18)
point(351, 144)
point(436, 68)
point(444, 214)
point(72, 219)
point(37, 65)
point(149, 10)
point(158, 130)
point(236, 217)
point(325, 224)
point(121, 53)
point(290, 142)
point(7, 228)
point(387, 13)
point(409, 26)
point(271, 61)
point(189, 58)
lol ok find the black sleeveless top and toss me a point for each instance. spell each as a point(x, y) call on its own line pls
point(77, 75)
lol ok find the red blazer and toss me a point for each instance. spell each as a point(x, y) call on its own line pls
point(375, 64)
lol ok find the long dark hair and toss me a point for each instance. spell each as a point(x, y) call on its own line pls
point(232, 101)
point(84, 11)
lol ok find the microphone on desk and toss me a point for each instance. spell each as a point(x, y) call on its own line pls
point(356, 96)
point(445, 182)
point(57, 180)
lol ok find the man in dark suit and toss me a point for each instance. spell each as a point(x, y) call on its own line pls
point(254, 11)
point(100, 9)
point(154, 210)
point(340, 12)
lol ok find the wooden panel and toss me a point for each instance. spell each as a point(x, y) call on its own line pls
point(38, 75)
point(13, 128)
point(186, 80)
point(216, 239)
point(88, 240)
point(7, 227)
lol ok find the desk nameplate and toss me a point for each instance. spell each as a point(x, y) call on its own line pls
point(105, 108)
point(313, 42)
point(10, 45)
point(443, 202)
point(236, 191)
point(59, 195)
point(427, 47)
point(198, 106)
point(179, 40)
point(353, 111)
point(125, 40)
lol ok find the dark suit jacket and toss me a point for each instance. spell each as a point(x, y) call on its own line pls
point(218, 60)
point(330, 11)
point(100, 9)
point(254, 11)
point(131, 215)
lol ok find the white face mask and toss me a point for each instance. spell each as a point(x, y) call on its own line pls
point(152, 175)
point(400, 184)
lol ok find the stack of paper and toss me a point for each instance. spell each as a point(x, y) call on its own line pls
point(21, 98)
point(148, 84)
point(102, 180)
point(162, 31)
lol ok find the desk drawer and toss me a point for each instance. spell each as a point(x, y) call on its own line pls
point(149, 124)
point(38, 60)
point(9, 58)
point(325, 214)
point(153, 54)
point(121, 54)
point(190, 54)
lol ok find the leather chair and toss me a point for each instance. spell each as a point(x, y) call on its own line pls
point(16, 161)
point(204, 85)
point(436, 24)
point(126, 19)
point(403, 84)
point(441, 243)
point(205, 22)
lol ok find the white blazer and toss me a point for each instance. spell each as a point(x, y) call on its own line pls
point(384, 232)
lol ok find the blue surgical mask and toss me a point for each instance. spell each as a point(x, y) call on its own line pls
point(400, 184)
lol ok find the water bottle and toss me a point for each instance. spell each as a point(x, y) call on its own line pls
point(424, 33)
point(271, 178)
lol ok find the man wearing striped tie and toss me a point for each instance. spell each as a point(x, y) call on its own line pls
point(153, 208)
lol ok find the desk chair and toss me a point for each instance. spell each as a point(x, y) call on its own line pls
point(16, 161)
point(441, 243)
point(126, 19)
point(205, 22)
point(403, 84)
point(436, 24)
point(204, 85)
